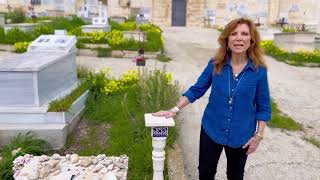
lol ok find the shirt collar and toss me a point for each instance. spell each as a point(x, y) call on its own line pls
point(249, 64)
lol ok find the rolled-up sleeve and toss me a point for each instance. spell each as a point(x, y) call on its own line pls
point(263, 104)
point(201, 86)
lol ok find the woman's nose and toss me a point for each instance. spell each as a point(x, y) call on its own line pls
point(239, 38)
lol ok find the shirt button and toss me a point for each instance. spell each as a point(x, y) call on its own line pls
point(232, 89)
point(230, 107)
point(227, 130)
point(236, 79)
point(228, 119)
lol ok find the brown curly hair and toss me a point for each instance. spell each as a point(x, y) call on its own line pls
point(254, 51)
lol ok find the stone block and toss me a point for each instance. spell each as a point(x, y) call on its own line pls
point(87, 52)
point(26, 27)
point(96, 28)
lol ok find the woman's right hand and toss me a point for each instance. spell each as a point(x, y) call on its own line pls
point(166, 114)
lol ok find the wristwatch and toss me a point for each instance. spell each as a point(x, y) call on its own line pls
point(258, 136)
point(175, 109)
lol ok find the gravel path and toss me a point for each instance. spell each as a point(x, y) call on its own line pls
point(280, 155)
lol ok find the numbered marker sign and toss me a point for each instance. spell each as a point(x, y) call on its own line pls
point(159, 131)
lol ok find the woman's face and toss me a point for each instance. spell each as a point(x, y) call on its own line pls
point(239, 39)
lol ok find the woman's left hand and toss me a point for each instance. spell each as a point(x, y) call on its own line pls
point(253, 144)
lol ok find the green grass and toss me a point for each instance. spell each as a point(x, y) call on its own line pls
point(124, 111)
point(164, 58)
point(28, 145)
point(313, 141)
point(104, 52)
point(65, 103)
point(300, 58)
point(220, 29)
point(282, 121)
point(128, 134)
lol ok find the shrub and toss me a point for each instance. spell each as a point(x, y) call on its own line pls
point(77, 22)
point(39, 30)
point(97, 82)
point(288, 29)
point(2, 36)
point(99, 37)
point(76, 31)
point(64, 23)
point(129, 45)
point(154, 40)
point(83, 72)
point(129, 26)
point(115, 38)
point(21, 47)
point(16, 16)
point(103, 83)
point(147, 27)
point(156, 90)
point(164, 58)
point(16, 35)
point(115, 26)
point(80, 45)
point(104, 52)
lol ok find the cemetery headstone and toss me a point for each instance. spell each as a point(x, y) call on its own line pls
point(83, 12)
point(30, 81)
point(143, 16)
point(100, 23)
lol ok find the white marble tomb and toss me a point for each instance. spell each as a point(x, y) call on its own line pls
point(30, 81)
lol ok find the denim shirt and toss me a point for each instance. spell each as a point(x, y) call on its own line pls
point(233, 124)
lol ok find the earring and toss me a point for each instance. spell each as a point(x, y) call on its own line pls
point(228, 49)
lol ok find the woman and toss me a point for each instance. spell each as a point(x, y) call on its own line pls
point(239, 103)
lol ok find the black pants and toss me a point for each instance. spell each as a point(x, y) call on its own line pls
point(209, 156)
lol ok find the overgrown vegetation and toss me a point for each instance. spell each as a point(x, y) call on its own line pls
point(115, 38)
point(65, 103)
point(15, 35)
point(299, 58)
point(16, 16)
point(62, 105)
point(282, 121)
point(121, 103)
point(288, 29)
point(164, 58)
point(104, 52)
point(21, 47)
point(27, 144)
point(313, 141)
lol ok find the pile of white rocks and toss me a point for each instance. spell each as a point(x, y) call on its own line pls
point(70, 167)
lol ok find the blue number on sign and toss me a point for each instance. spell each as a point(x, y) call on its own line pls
point(160, 132)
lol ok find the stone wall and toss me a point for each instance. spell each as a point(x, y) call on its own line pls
point(195, 13)
point(114, 8)
point(161, 12)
